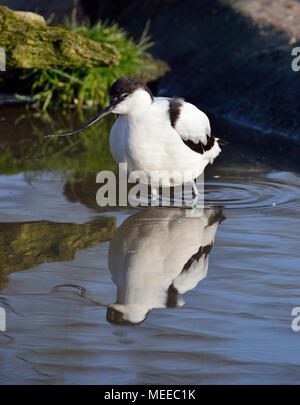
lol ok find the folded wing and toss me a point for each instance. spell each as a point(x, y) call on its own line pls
point(194, 128)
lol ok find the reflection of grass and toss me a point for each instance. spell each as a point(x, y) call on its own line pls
point(89, 153)
point(82, 154)
point(57, 87)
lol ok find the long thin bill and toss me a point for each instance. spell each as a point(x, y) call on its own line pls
point(103, 113)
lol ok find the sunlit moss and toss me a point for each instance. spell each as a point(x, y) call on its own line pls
point(30, 43)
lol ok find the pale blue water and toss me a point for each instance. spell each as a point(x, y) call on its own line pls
point(235, 325)
point(228, 323)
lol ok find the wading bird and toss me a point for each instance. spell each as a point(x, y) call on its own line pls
point(166, 136)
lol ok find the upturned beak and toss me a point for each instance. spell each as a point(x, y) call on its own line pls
point(102, 114)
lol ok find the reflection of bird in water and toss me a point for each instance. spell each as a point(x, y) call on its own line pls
point(157, 134)
point(156, 255)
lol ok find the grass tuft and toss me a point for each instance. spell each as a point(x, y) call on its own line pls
point(80, 87)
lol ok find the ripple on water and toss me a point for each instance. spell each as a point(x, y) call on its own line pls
point(280, 190)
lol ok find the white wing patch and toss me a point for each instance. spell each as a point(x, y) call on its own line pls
point(194, 129)
point(192, 124)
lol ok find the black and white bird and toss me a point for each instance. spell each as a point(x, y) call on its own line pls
point(157, 134)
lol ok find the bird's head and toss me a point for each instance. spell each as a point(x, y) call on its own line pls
point(127, 95)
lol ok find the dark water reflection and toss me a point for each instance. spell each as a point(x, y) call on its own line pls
point(152, 295)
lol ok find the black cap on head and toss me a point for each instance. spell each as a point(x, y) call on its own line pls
point(121, 88)
point(125, 86)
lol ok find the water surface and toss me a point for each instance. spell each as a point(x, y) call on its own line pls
point(147, 295)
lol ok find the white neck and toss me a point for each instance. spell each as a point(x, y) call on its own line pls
point(136, 103)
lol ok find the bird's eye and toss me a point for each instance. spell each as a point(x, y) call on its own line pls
point(124, 95)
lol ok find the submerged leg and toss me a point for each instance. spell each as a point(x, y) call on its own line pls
point(196, 194)
point(195, 188)
point(154, 195)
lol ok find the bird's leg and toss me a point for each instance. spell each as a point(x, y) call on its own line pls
point(154, 195)
point(195, 188)
point(194, 202)
point(196, 193)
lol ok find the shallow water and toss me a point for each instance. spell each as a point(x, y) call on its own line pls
point(151, 295)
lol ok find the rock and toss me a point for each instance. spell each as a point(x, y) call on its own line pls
point(29, 43)
point(52, 10)
point(31, 17)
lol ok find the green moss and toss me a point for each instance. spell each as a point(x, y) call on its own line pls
point(80, 86)
point(31, 44)
point(75, 65)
